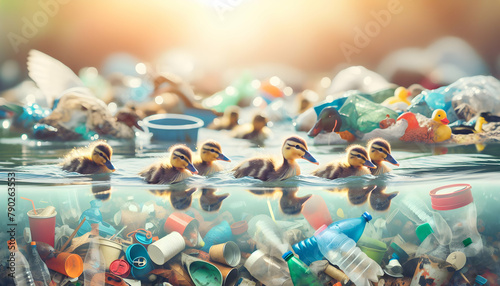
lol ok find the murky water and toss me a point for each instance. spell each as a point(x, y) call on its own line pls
point(422, 168)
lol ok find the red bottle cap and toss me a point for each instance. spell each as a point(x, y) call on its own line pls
point(451, 197)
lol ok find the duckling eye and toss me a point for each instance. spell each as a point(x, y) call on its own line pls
point(214, 151)
point(297, 147)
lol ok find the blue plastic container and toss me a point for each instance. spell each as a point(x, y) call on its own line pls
point(139, 260)
point(218, 234)
point(174, 127)
point(204, 114)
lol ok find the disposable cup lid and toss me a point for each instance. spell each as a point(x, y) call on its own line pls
point(451, 197)
point(119, 267)
point(457, 259)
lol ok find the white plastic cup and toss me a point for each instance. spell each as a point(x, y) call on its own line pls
point(166, 248)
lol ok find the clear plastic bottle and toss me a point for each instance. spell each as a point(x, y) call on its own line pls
point(456, 205)
point(299, 272)
point(22, 275)
point(308, 250)
point(39, 269)
point(269, 270)
point(268, 235)
point(343, 252)
point(94, 261)
point(431, 245)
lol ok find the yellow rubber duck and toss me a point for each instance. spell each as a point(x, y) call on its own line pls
point(268, 169)
point(210, 152)
point(399, 100)
point(380, 150)
point(440, 126)
point(93, 159)
point(178, 168)
point(356, 164)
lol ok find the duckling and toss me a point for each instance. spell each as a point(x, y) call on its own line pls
point(228, 121)
point(380, 151)
point(257, 131)
point(440, 126)
point(94, 159)
point(267, 169)
point(464, 129)
point(210, 151)
point(178, 169)
point(355, 165)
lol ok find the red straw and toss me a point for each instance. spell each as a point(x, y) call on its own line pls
point(34, 209)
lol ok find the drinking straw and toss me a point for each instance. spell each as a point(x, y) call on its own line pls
point(33, 203)
point(270, 210)
point(72, 235)
point(118, 233)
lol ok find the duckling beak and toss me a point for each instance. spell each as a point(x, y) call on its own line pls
point(136, 124)
point(369, 164)
point(109, 165)
point(310, 158)
point(445, 121)
point(191, 168)
point(223, 157)
point(391, 160)
point(316, 129)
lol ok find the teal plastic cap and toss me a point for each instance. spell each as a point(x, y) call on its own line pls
point(287, 255)
point(481, 280)
point(423, 231)
point(367, 216)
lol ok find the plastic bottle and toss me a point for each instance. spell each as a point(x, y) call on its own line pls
point(456, 205)
point(22, 276)
point(241, 236)
point(299, 272)
point(94, 260)
point(431, 245)
point(39, 269)
point(268, 235)
point(343, 252)
point(93, 215)
point(269, 270)
point(308, 250)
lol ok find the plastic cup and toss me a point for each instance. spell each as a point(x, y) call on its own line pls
point(316, 212)
point(110, 250)
point(375, 249)
point(139, 260)
point(229, 274)
point(166, 248)
point(178, 222)
point(226, 253)
point(43, 228)
point(66, 263)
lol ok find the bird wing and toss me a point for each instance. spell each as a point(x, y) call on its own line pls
point(52, 76)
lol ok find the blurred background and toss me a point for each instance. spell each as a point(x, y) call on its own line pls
point(208, 41)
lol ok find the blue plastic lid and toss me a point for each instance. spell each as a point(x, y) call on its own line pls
point(395, 256)
point(367, 216)
point(287, 255)
point(481, 280)
point(142, 238)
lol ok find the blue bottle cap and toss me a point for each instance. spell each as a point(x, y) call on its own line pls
point(367, 216)
point(287, 255)
point(395, 256)
point(481, 280)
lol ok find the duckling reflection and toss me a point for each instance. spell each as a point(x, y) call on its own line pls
point(181, 200)
point(102, 192)
point(379, 200)
point(290, 204)
point(358, 195)
point(209, 201)
point(263, 192)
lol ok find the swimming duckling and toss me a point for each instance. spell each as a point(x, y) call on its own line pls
point(440, 126)
point(267, 169)
point(178, 169)
point(94, 159)
point(228, 121)
point(380, 151)
point(257, 131)
point(210, 151)
point(356, 165)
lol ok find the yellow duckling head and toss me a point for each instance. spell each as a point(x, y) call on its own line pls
point(401, 94)
point(439, 115)
point(294, 148)
point(101, 155)
point(181, 158)
point(380, 150)
point(211, 151)
point(358, 157)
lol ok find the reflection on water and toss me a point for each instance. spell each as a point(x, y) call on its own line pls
point(375, 194)
point(209, 201)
